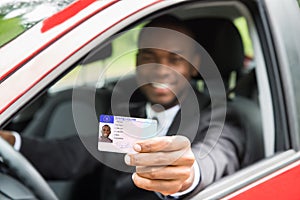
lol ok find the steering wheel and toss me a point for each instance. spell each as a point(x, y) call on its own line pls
point(25, 172)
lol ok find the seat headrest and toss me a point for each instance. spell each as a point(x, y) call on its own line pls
point(222, 41)
point(99, 53)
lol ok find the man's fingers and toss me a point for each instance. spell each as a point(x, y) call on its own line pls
point(165, 187)
point(182, 157)
point(166, 143)
point(165, 172)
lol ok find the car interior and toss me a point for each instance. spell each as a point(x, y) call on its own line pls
point(51, 114)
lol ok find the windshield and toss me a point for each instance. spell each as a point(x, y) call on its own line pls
point(17, 16)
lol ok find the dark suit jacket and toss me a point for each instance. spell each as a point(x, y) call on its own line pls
point(217, 151)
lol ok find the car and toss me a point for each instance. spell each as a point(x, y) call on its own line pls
point(60, 73)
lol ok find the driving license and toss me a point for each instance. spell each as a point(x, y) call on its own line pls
point(119, 134)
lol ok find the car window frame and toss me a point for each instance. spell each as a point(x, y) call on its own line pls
point(287, 49)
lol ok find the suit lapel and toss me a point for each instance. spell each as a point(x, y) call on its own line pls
point(186, 121)
point(138, 110)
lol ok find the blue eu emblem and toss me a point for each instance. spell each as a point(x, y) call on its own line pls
point(107, 118)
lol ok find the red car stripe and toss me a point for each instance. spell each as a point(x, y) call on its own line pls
point(65, 14)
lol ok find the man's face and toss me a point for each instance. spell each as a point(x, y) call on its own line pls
point(161, 69)
point(105, 131)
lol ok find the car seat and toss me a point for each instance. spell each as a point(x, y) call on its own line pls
point(222, 40)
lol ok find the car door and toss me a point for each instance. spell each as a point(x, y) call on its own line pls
point(57, 47)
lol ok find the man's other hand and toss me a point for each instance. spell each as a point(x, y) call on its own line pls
point(163, 164)
point(8, 136)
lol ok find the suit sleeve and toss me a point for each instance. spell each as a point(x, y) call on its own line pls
point(219, 150)
point(58, 159)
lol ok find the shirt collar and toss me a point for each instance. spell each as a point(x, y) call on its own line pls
point(171, 112)
point(164, 118)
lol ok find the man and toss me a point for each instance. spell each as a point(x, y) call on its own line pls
point(166, 166)
point(105, 134)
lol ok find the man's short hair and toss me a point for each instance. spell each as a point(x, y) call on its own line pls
point(170, 22)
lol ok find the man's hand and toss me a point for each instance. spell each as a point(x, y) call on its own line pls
point(8, 136)
point(163, 164)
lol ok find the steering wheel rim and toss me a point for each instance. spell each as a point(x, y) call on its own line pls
point(27, 174)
